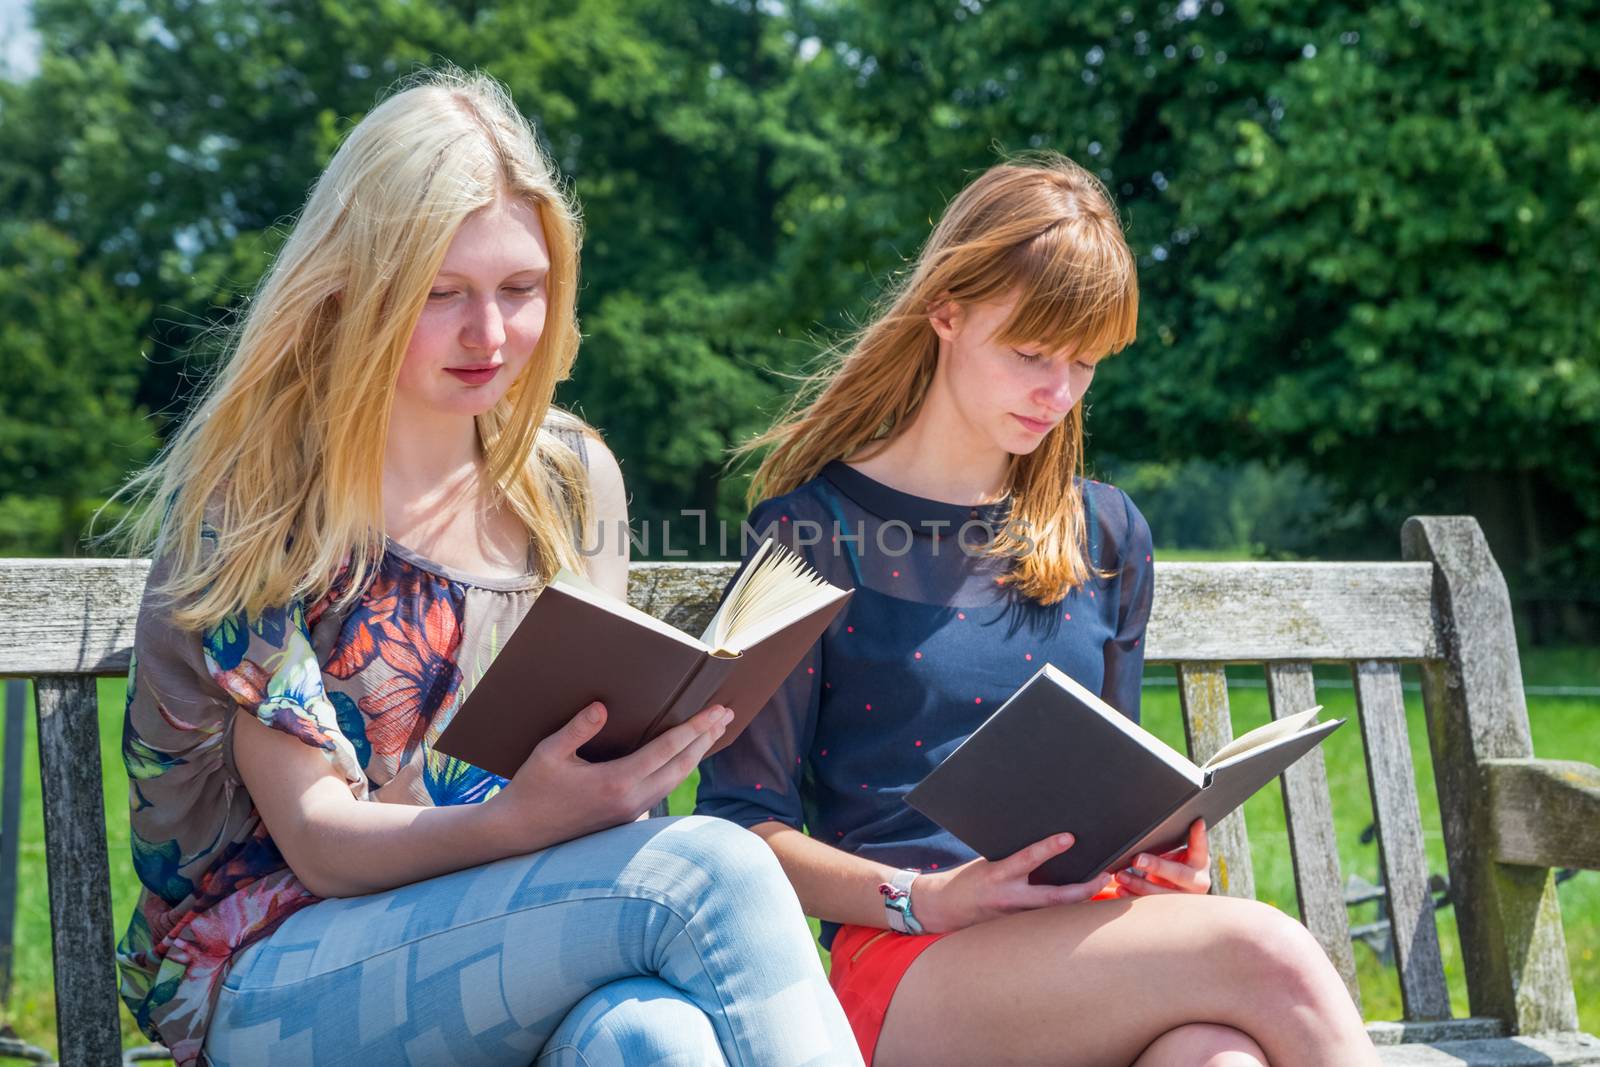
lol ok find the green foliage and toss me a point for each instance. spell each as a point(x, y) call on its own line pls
point(68, 424)
point(1365, 232)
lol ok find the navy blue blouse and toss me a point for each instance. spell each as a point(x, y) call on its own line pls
point(926, 649)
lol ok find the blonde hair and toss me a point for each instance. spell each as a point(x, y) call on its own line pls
point(282, 456)
point(1043, 230)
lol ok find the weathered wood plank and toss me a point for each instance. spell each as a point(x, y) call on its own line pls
point(1548, 1050)
point(1207, 726)
point(73, 616)
point(1309, 814)
point(1382, 709)
point(1508, 916)
point(80, 877)
point(68, 616)
point(16, 699)
point(1262, 612)
point(1407, 1033)
point(1545, 813)
point(682, 594)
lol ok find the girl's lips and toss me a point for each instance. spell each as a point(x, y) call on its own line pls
point(474, 375)
point(1036, 425)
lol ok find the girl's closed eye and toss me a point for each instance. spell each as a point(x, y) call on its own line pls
point(1028, 357)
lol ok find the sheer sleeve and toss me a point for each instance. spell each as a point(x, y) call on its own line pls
point(757, 778)
point(266, 664)
point(1134, 560)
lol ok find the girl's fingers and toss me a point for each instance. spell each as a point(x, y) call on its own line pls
point(1029, 897)
point(1170, 873)
point(578, 731)
point(1199, 845)
point(1022, 863)
point(665, 779)
point(1077, 894)
point(663, 750)
point(1134, 886)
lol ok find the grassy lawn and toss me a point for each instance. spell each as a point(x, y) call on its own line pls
point(1563, 727)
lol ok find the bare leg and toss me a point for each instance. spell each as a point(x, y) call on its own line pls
point(1101, 983)
point(1203, 1045)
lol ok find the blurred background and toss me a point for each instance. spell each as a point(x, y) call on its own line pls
point(1367, 237)
point(1367, 233)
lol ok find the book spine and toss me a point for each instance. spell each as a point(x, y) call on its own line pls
point(669, 715)
point(1131, 846)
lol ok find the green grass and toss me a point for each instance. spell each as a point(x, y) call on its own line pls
point(1563, 728)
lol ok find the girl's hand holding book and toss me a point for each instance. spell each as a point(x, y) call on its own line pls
point(1183, 870)
point(981, 890)
point(557, 795)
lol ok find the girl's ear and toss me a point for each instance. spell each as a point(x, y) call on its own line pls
point(946, 317)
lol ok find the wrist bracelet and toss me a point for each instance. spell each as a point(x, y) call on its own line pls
point(897, 902)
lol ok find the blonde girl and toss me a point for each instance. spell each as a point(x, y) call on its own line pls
point(937, 470)
point(364, 505)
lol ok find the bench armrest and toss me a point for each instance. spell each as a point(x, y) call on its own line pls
point(1545, 813)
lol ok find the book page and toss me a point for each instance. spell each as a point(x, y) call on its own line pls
point(1266, 734)
point(775, 590)
point(716, 629)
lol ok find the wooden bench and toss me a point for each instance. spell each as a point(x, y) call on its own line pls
point(1508, 818)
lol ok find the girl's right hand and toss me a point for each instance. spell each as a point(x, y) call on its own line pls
point(556, 795)
point(979, 890)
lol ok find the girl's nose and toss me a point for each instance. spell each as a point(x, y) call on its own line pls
point(1062, 391)
point(485, 328)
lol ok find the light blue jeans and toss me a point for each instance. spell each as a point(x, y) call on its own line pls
point(668, 941)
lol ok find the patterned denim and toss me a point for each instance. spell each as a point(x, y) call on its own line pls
point(671, 941)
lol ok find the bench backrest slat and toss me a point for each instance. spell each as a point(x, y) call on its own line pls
point(1308, 811)
point(1380, 705)
point(75, 616)
point(1207, 726)
point(80, 877)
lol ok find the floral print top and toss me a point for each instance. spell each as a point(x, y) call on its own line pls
point(370, 686)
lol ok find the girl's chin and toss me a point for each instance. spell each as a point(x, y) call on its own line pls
point(461, 405)
point(1023, 444)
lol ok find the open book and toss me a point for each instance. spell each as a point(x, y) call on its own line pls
point(579, 644)
point(1055, 757)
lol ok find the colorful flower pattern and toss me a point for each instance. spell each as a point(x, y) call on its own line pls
point(369, 686)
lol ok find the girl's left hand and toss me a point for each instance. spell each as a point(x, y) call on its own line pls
point(1183, 870)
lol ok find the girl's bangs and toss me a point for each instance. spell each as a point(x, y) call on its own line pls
point(1077, 289)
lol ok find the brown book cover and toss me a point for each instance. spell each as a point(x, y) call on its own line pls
point(1055, 758)
point(577, 645)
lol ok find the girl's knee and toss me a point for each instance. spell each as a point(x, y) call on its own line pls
point(1203, 1045)
point(725, 850)
point(633, 1021)
point(1277, 952)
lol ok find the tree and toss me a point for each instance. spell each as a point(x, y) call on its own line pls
point(1365, 231)
point(68, 424)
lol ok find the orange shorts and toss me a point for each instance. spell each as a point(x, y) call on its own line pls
point(867, 965)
